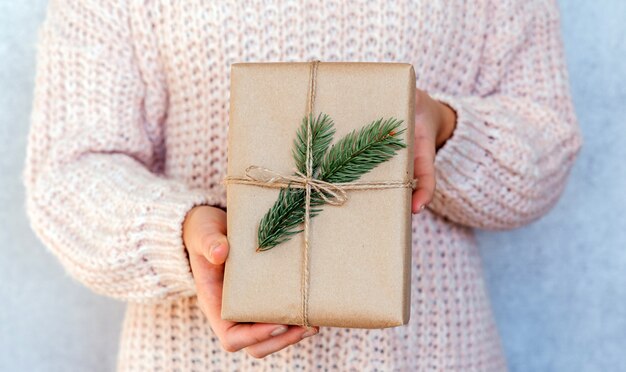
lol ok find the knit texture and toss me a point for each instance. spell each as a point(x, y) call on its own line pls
point(129, 129)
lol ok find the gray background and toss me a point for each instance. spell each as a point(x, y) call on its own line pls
point(558, 286)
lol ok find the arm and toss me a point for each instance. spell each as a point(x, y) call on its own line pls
point(516, 138)
point(94, 196)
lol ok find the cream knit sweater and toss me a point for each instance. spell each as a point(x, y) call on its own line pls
point(129, 132)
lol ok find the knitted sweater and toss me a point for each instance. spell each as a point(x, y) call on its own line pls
point(129, 128)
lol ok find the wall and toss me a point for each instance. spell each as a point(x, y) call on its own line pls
point(47, 321)
point(558, 285)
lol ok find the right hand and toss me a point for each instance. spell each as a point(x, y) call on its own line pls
point(204, 236)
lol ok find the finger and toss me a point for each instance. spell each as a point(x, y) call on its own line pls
point(274, 344)
point(233, 336)
point(424, 171)
point(242, 335)
point(209, 280)
point(424, 192)
point(208, 277)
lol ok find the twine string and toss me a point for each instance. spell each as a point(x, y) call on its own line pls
point(307, 184)
point(331, 193)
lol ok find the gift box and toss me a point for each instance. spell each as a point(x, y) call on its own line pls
point(319, 183)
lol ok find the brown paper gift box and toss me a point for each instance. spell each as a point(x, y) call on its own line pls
point(359, 259)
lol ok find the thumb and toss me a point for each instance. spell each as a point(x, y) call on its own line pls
point(205, 231)
point(215, 247)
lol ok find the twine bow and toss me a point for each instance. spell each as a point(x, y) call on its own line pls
point(331, 193)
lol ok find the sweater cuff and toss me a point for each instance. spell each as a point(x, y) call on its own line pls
point(160, 239)
point(462, 157)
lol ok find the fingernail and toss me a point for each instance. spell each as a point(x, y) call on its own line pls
point(421, 208)
point(214, 245)
point(309, 333)
point(279, 330)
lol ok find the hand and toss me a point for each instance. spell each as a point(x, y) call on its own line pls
point(434, 124)
point(204, 235)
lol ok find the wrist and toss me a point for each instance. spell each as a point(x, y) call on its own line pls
point(447, 123)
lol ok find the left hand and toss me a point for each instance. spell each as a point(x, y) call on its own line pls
point(434, 124)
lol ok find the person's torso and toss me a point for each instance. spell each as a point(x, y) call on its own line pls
point(185, 49)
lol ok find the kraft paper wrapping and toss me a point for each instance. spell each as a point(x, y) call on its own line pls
point(360, 252)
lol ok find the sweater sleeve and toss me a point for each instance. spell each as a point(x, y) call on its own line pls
point(516, 137)
point(95, 195)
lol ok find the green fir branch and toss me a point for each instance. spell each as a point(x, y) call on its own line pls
point(362, 150)
point(323, 132)
point(283, 218)
point(352, 156)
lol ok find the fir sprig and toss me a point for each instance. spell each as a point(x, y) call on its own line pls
point(352, 156)
point(283, 218)
point(362, 150)
point(323, 132)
